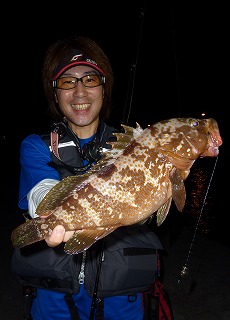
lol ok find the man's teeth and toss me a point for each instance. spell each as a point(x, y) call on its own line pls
point(81, 106)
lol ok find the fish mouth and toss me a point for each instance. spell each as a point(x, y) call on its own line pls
point(214, 141)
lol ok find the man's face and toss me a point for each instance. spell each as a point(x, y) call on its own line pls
point(80, 105)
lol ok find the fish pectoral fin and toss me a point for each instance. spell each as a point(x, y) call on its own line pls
point(163, 211)
point(178, 161)
point(184, 174)
point(178, 189)
point(83, 239)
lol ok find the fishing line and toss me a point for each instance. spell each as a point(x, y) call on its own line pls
point(185, 269)
point(131, 83)
point(175, 59)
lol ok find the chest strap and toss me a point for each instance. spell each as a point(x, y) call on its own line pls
point(99, 315)
point(72, 308)
point(54, 144)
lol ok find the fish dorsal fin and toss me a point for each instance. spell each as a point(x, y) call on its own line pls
point(124, 138)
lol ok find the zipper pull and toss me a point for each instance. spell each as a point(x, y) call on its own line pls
point(81, 277)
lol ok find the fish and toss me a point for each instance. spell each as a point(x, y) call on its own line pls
point(136, 179)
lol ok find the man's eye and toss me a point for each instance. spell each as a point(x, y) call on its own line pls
point(89, 80)
point(70, 81)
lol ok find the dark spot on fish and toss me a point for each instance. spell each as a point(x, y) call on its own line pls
point(129, 149)
point(106, 171)
point(154, 131)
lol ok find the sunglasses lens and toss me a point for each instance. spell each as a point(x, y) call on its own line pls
point(88, 81)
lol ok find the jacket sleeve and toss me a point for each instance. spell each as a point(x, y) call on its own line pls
point(34, 159)
point(37, 193)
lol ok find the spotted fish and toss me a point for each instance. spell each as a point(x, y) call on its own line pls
point(136, 179)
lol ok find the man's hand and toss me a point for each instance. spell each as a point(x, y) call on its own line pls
point(58, 236)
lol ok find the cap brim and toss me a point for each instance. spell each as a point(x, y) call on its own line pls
point(80, 63)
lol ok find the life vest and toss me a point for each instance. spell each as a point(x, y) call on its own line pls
point(67, 156)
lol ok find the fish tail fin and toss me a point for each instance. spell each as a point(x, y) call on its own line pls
point(25, 234)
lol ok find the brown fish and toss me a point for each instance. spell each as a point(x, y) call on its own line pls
point(139, 176)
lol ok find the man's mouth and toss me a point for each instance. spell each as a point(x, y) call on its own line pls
point(83, 106)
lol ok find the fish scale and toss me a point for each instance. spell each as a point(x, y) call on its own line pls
point(139, 177)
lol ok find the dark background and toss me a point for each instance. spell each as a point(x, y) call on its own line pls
point(176, 56)
point(170, 59)
point(174, 52)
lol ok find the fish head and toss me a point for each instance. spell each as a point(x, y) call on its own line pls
point(183, 140)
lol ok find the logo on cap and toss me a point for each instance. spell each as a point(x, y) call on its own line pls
point(77, 56)
point(74, 58)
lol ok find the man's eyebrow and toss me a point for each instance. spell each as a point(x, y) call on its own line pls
point(92, 72)
point(89, 72)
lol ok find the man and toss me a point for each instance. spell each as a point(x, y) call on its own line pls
point(78, 80)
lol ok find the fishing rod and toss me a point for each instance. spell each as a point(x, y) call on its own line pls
point(131, 82)
point(185, 268)
point(132, 76)
point(175, 59)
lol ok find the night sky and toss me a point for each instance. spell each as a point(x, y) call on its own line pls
point(169, 60)
point(173, 54)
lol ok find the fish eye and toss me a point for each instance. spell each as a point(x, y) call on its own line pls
point(194, 122)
